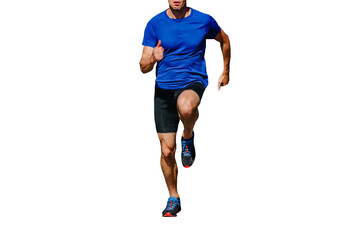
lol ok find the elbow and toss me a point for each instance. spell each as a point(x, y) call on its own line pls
point(146, 65)
point(143, 68)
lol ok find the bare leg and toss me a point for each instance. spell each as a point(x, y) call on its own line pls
point(188, 102)
point(167, 161)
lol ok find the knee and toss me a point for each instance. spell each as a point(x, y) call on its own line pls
point(186, 108)
point(168, 153)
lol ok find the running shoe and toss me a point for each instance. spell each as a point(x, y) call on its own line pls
point(188, 151)
point(172, 207)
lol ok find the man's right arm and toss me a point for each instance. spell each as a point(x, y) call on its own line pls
point(150, 56)
point(147, 60)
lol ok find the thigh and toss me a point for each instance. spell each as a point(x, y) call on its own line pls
point(188, 99)
point(167, 140)
point(165, 111)
point(191, 95)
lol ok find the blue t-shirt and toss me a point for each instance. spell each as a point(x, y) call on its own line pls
point(184, 42)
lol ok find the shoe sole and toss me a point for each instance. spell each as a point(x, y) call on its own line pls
point(169, 214)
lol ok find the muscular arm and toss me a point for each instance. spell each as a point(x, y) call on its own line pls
point(150, 56)
point(147, 60)
point(224, 40)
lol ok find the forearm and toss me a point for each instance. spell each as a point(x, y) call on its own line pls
point(225, 48)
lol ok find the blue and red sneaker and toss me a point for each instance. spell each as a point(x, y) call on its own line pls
point(188, 151)
point(172, 207)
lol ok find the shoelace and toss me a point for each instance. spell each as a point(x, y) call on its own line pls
point(171, 205)
point(189, 144)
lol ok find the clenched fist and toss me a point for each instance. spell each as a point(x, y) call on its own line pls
point(158, 51)
point(223, 80)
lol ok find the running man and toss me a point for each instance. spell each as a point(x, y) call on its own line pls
point(175, 39)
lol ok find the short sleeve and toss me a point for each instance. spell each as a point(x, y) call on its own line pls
point(150, 38)
point(213, 29)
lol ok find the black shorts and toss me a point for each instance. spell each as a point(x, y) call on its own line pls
point(165, 108)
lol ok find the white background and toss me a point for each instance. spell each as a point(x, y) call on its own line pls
point(277, 149)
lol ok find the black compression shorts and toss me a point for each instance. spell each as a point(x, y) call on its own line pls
point(165, 108)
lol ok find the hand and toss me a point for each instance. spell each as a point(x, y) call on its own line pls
point(158, 52)
point(223, 80)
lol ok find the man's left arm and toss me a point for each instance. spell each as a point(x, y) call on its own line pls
point(224, 40)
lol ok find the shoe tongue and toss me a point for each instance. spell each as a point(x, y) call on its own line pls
point(190, 139)
point(173, 199)
point(183, 139)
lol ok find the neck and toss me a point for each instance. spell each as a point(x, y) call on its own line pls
point(176, 14)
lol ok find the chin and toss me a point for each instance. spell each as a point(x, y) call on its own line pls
point(177, 7)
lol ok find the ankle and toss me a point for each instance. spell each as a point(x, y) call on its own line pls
point(175, 195)
point(187, 134)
